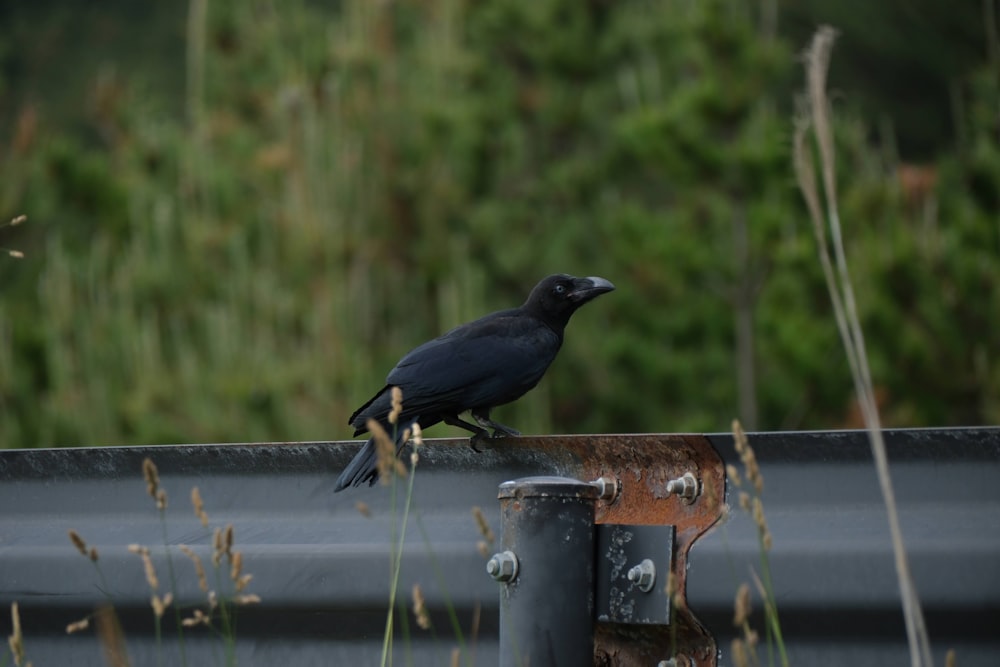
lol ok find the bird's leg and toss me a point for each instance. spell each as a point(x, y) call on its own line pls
point(482, 418)
point(477, 433)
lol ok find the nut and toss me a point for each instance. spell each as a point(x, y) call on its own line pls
point(502, 566)
point(643, 575)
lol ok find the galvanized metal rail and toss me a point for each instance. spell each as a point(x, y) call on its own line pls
point(321, 563)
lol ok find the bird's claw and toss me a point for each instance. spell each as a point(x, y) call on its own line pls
point(476, 438)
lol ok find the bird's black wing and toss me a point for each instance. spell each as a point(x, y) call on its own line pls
point(488, 362)
point(485, 363)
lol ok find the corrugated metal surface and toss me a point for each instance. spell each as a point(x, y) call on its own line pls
point(322, 568)
point(832, 560)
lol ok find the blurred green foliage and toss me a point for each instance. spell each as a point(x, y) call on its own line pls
point(334, 187)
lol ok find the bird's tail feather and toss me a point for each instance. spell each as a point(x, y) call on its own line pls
point(364, 466)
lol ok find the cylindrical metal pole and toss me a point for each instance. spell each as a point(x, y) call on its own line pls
point(547, 572)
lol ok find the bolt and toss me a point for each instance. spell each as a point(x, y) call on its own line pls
point(608, 488)
point(686, 486)
point(643, 575)
point(503, 566)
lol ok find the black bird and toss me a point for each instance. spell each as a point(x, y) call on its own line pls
point(476, 366)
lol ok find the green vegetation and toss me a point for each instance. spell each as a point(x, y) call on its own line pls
point(244, 259)
point(216, 614)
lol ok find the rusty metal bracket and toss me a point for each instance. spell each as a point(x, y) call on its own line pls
point(633, 574)
point(661, 483)
point(647, 469)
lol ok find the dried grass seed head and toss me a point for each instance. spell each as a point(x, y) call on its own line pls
point(482, 524)
point(198, 617)
point(16, 254)
point(733, 475)
point(420, 612)
point(152, 477)
point(739, 653)
point(199, 506)
point(236, 566)
point(16, 639)
point(739, 436)
point(78, 626)
point(744, 501)
point(748, 458)
point(758, 514)
point(741, 606)
point(385, 451)
point(397, 404)
point(147, 564)
point(160, 604)
point(77, 541)
point(199, 570)
point(161, 499)
point(111, 637)
point(242, 582)
point(753, 470)
point(761, 521)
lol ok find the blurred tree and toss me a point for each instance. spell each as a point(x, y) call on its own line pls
point(244, 255)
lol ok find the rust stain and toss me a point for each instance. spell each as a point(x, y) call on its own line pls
point(645, 464)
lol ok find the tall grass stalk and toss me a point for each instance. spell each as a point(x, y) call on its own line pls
point(442, 583)
point(173, 585)
point(159, 494)
point(751, 489)
point(16, 639)
point(396, 561)
point(814, 133)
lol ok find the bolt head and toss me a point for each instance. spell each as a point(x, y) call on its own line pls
point(608, 488)
point(502, 566)
point(643, 575)
point(686, 486)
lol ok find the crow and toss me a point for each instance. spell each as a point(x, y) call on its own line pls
point(474, 367)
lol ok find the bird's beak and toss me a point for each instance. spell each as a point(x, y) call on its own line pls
point(585, 289)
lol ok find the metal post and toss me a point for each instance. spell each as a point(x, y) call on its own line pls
point(547, 572)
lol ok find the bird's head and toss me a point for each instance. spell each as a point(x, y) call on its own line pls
point(557, 297)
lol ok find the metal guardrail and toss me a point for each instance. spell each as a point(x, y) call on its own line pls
point(321, 564)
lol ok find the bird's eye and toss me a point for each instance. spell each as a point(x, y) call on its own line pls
point(560, 289)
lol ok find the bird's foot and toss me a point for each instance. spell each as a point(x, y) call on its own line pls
point(499, 430)
point(477, 437)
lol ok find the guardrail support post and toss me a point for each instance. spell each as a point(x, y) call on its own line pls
point(546, 570)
